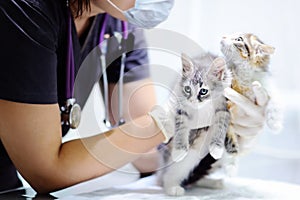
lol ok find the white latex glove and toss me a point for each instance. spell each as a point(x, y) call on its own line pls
point(248, 117)
point(162, 115)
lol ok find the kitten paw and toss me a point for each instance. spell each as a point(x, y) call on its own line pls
point(216, 151)
point(178, 154)
point(231, 145)
point(175, 191)
point(274, 117)
point(274, 125)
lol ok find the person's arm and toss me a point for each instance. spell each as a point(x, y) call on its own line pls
point(139, 98)
point(138, 91)
point(31, 134)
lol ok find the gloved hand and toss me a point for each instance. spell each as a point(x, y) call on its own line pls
point(248, 117)
point(164, 119)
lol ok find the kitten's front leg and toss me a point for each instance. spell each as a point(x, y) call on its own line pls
point(181, 136)
point(219, 130)
point(231, 141)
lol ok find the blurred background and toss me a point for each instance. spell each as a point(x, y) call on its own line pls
point(276, 156)
point(204, 22)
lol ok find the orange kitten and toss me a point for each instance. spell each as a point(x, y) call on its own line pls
point(248, 59)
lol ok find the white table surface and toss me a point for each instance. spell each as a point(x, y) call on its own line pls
point(236, 188)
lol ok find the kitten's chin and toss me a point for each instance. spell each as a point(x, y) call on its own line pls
point(223, 46)
point(223, 43)
point(194, 104)
point(226, 50)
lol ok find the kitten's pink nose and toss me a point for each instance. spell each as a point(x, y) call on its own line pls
point(224, 37)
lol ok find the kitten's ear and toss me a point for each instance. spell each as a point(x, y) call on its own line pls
point(264, 49)
point(218, 68)
point(187, 65)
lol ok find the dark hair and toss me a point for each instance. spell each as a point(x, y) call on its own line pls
point(81, 5)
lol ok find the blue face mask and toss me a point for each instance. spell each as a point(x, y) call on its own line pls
point(148, 13)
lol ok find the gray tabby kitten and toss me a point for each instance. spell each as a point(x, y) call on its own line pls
point(203, 81)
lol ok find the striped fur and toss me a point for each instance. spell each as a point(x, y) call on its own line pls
point(185, 159)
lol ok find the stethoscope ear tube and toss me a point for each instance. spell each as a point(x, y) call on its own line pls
point(122, 48)
point(115, 45)
point(119, 44)
point(70, 111)
point(103, 49)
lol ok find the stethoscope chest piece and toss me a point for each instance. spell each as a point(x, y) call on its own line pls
point(71, 113)
point(75, 116)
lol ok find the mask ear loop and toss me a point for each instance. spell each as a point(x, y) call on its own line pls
point(117, 12)
point(115, 6)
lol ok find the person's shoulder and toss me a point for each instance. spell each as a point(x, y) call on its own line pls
point(40, 20)
point(52, 10)
point(35, 11)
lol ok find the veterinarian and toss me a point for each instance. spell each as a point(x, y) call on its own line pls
point(35, 56)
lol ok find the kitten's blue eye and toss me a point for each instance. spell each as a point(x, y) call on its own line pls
point(187, 89)
point(239, 39)
point(203, 91)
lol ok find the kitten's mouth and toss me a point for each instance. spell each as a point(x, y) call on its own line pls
point(227, 50)
point(196, 101)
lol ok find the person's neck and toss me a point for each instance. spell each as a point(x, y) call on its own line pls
point(82, 22)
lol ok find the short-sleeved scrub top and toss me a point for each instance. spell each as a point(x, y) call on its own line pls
point(33, 51)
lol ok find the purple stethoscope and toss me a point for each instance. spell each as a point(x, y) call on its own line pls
point(71, 111)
